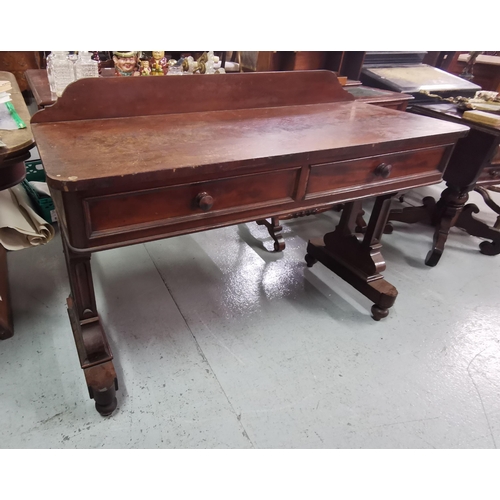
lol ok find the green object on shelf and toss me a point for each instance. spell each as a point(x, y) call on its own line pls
point(35, 170)
point(15, 116)
point(44, 205)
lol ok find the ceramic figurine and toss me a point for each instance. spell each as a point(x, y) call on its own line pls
point(126, 63)
point(158, 63)
point(145, 70)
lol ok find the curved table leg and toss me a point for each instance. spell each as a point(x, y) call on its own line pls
point(478, 228)
point(91, 343)
point(274, 228)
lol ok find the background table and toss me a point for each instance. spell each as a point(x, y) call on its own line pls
point(474, 165)
point(12, 172)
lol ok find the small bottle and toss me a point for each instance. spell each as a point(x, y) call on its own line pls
point(209, 65)
point(50, 72)
point(63, 71)
point(85, 66)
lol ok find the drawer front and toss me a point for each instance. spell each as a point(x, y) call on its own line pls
point(170, 205)
point(490, 175)
point(327, 178)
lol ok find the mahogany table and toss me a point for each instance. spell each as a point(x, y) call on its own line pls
point(130, 160)
point(474, 165)
point(12, 172)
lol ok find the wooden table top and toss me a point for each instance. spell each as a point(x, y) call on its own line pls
point(18, 141)
point(142, 145)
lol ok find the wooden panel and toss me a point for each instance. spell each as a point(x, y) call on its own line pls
point(115, 97)
point(336, 176)
point(17, 62)
point(175, 204)
point(303, 60)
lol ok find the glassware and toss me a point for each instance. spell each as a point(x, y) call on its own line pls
point(63, 71)
point(85, 66)
point(174, 70)
point(50, 72)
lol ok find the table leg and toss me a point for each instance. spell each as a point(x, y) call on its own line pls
point(443, 215)
point(91, 343)
point(358, 261)
point(6, 323)
point(274, 228)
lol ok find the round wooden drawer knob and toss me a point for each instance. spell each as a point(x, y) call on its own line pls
point(383, 170)
point(205, 201)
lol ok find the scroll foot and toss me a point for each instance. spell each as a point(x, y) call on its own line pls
point(274, 228)
point(475, 227)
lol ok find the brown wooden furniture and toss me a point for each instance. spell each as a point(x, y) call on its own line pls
point(368, 95)
point(344, 63)
point(474, 165)
point(38, 83)
point(17, 62)
point(485, 72)
point(131, 160)
point(12, 172)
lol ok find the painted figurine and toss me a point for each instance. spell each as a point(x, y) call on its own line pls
point(145, 70)
point(126, 63)
point(158, 63)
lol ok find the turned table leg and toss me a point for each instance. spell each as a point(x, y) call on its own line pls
point(91, 343)
point(6, 323)
point(359, 262)
point(445, 216)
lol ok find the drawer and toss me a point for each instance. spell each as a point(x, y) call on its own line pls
point(171, 205)
point(490, 175)
point(327, 178)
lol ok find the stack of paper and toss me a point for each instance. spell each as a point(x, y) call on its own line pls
point(5, 86)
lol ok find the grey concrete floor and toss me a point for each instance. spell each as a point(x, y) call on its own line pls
point(220, 343)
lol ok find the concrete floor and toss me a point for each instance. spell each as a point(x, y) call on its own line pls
point(220, 343)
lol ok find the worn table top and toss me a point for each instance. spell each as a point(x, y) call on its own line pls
point(113, 128)
point(144, 144)
point(18, 141)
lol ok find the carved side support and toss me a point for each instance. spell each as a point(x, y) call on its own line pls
point(359, 262)
point(274, 228)
point(91, 343)
point(478, 228)
point(491, 204)
point(410, 215)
